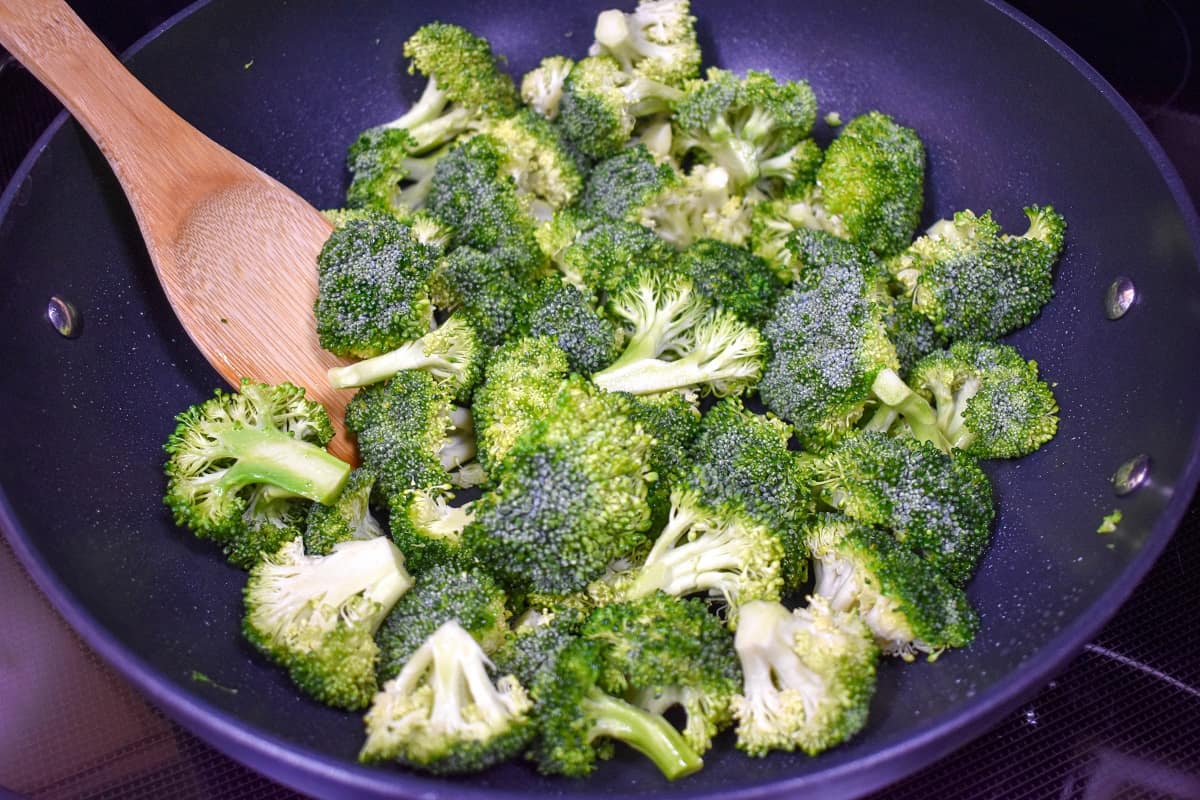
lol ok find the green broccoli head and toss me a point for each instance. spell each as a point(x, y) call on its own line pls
point(776, 224)
point(989, 400)
point(386, 173)
point(677, 341)
point(450, 590)
point(618, 187)
point(661, 651)
point(411, 435)
point(542, 86)
point(873, 179)
point(463, 67)
point(571, 496)
point(538, 161)
point(732, 277)
point(703, 204)
point(348, 518)
point(601, 104)
point(973, 282)
point(809, 676)
point(909, 605)
point(939, 506)
point(242, 467)
point(487, 290)
point(427, 527)
point(536, 640)
point(373, 286)
point(601, 255)
point(444, 713)
point(673, 421)
point(657, 40)
point(752, 127)
point(520, 384)
point(317, 615)
point(568, 315)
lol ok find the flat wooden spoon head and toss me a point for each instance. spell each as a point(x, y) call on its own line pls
point(235, 250)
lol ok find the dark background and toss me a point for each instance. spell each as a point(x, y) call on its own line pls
point(1122, 721)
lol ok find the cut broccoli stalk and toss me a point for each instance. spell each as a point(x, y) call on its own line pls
point(274, 457)
point(452, 354)
point(649, 734)
point(898, 398)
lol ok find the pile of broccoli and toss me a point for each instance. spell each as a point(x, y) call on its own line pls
point(670, 421)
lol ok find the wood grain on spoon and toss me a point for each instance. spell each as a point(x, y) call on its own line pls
point(235, 250)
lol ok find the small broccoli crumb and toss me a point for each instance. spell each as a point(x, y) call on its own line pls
point(1110, 522)
point(248, 64)
point(833, 119)
point(200, 677)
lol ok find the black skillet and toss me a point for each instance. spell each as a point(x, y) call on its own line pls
point(1009, 117)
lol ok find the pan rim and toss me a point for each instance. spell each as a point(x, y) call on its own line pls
point(312, 771)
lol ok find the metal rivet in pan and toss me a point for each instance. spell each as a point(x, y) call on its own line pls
point(1120, 297)
point(63, 316)
point(1132, 474)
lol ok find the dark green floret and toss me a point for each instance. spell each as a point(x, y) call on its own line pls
point(873, 180)
point(536, 640)
point(443, 712)
point(569, 316)
point(601, 104)
point(809, 677)
point(243, 467)
point(373, 286)
point(386, 175)
point(908, 604)
point(973, 282)
point(600, 255)
point(316, 616)
point(448, 591)
point(673, 421)
point(571, 496)
point(989, 400)
point(732, 277)
point(347, 518)
point(618, 187)
point(938, 506)
point(487, 290)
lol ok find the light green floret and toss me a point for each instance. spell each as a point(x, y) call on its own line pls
point(601, 104)
point(242, 467)
point(677, 341)
point(909, 606)
point(974, 282)
point(598, 254)
point(989, 400)
point(453, 354)
point(444, 712)
point(703, 205)
point(520, 383)
point(537, 160)
point(752, 127)
point(719, 551)
point(658, 40)
point(542, 86)
point(809, 677)
point(386, 174)
point(427, 527)
point(348, 518)
point(873, 181)
point(317, 615)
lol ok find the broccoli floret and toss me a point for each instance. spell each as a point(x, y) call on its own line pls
point(427, 527)
point(537, 159)
point(579, 721)
point(873, 180)
point(701, 205)
point(717, 550)
point(657, 40)
point(520, 384)
point(989, 400)
point(571, 496)
point(661, 652)
point(487, 290)
point(536, 640)
point(411, 434)
point(381, 161)
point(673, 421)
point(809, 677)
point(242, 467)
point(601, 104)
point(443, 713)
point(939, 506)
point(475, 196)
point(348, 518)
point(973, 282)
point(619, 187)
point(453, 354)
point(774, 224)
point(676, 340)
point(542, 87)
point(732, 277)
point(751, 127)
point(317, 615)
point(600, 255)
point(913, 335)
point(443, 592)
point(373, 286)
point(568, 315)
point(909, 606)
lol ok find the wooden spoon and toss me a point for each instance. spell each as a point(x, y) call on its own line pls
point(235, 249)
